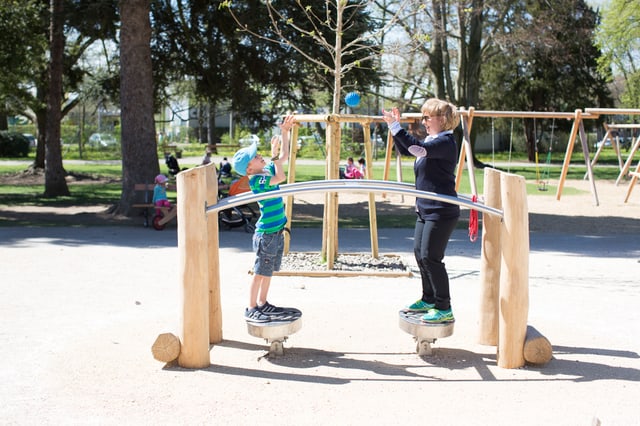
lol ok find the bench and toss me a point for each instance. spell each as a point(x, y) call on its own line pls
point(159, 222)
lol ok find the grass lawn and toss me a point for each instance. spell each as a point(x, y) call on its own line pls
point(93, 190)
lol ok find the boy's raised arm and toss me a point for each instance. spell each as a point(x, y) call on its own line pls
point(285, 127)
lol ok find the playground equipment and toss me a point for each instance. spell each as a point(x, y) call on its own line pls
point(505, 247)
point(333, 137)
point(423, 334)
point(277, 332)
point(625, 170)
point(504, 266)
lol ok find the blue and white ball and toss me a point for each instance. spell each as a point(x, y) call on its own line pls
point(352, 99)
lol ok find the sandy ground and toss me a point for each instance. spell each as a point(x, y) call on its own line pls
point(81, 307)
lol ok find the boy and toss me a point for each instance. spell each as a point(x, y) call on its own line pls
point(268, 239)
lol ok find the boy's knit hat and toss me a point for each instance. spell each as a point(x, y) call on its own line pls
point(241, 158)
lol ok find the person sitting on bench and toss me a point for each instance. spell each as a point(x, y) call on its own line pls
point(172, 163)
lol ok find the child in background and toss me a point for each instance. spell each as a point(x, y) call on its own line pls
point(225, 167)
point(207, 157)
point(160, 193)
point(352, 171)
point(362, 166)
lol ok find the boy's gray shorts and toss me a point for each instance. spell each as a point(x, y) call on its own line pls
point(269, 249)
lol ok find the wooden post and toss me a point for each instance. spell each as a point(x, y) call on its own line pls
point(607, 135)
point(627, 164)
point(192, 268)
point(465, 151)
point(490, 261)
point(291, 178)
point(585, 152)
point(537, 348)
point(634, 178)
point(330, 225)
point(514, 271)
point(568, 152)
point(213, 257)
point(166, 348)
point(373, 217)
point(337, 147)
point(387, 157)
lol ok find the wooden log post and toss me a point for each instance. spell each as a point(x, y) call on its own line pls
point(537, 348)
point(330, 222)
point(192, 268)
point(213, 257)
point(166, 348)
point(466, 152)
point(568, 153)
point(490, 261)
point(291, 178)
point(373, 217)
point(514, 271)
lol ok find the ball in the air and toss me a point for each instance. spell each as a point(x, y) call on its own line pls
point(352, 99)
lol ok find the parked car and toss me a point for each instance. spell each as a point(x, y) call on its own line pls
point(625, 142)
point(101, 140)
point(248, 140)
point(33, 142)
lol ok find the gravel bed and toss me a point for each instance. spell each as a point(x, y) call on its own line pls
point(296, 261)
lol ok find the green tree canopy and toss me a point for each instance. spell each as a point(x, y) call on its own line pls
point(619, 38)
point(547, 61)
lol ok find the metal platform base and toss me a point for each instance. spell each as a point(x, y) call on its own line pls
point(423, 333)
point(275, 333)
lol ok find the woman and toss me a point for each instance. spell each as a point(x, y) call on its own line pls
point(434, 168)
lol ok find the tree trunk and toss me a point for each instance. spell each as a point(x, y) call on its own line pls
point(41, 124)
point(530, 139)
point(55, 183)
point(474, 55)
point(139, 151)
point(436, 61)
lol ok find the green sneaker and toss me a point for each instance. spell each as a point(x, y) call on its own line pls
point(436, 316)
point(420, 306)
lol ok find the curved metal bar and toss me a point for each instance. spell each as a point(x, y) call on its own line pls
point(347, 185)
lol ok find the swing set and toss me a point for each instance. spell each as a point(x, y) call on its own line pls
point(578, 116)
point(625, 169)
point(542, 178)
point(333, 127)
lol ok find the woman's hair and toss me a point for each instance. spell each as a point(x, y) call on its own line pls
point(438, 108)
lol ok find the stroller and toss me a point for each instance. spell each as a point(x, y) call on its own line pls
point(235, 216)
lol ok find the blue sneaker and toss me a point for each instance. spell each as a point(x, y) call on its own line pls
point(437, 316)
point(420, 306)
point(256, 315)
point(269, 309)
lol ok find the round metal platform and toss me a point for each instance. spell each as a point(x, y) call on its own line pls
point(274, 330)
point(423, 332)
point(412, 323)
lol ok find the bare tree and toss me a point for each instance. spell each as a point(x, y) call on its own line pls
point(449, 39)
point(337, 17)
